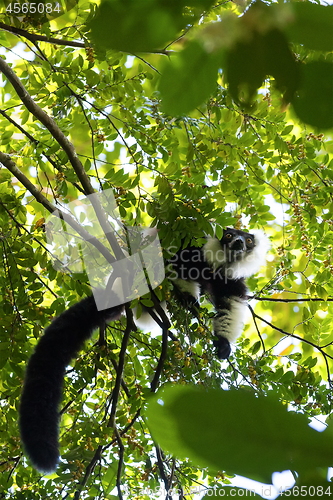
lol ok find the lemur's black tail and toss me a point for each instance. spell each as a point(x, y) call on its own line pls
point(42, 389)
point(223, 348)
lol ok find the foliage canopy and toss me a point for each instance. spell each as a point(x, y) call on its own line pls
point(199, 115)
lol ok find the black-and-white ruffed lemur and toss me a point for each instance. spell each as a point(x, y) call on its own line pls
point(218, 268)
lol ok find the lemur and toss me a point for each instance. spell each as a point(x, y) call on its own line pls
point(218, 269)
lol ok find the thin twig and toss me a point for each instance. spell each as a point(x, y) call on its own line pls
point(257, 328)
point(120, 463)
point(310, 299)
point(320, 349)
point(160, 363)
point(161, 467)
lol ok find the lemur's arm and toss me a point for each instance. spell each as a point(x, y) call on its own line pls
point(42, 389)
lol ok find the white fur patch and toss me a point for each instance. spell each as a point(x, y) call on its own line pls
point(214, 253)
point(188, 286)
point(146, 323)
point(252, 261)
point(117, 287)
point(231, 324)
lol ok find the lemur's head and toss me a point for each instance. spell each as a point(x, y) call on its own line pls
point(235, 244)
point(240, 254)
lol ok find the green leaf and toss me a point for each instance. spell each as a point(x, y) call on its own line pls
point(256, 347)
point(249, 62)
point(192, 69)
point(287, 129)
point(126, 26)
point(314, 101)
point(132, 26)
point(216, 429)
point(321, 292)
point(108, 480)
point(312, 25)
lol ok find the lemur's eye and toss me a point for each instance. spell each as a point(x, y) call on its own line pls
point(228, 235)
point(249, 241)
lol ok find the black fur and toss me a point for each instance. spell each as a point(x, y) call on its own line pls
point(42, 389)
point(223, 347)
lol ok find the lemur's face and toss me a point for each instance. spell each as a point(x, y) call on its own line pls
point(236, 244)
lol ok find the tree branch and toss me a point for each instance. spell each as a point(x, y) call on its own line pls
point(11, 166)
point(36, 142)
point(49, 123)
point(320, 349)
point(163, 356)
point(161, 468)
point(69, 149)
point(257, 328)
point(98, 454)
point(120, 463)
point(116, 391)
point(40, 38)
point(272, 299)
point(132, 422)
